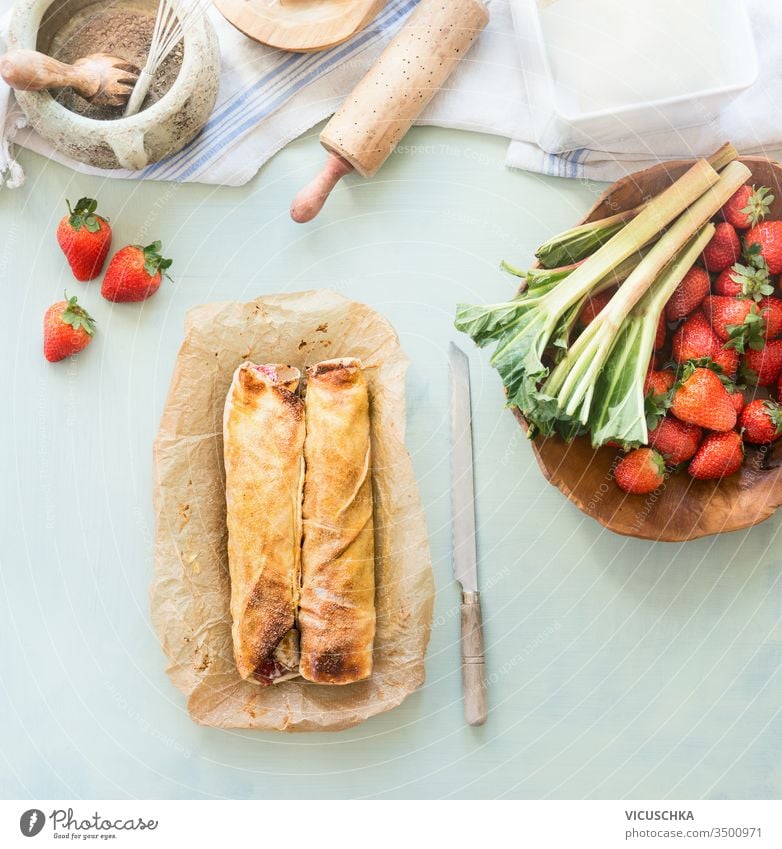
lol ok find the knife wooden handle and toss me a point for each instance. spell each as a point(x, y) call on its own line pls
point(473, 663)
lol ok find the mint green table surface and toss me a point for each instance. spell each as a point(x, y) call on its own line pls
point(619, 668)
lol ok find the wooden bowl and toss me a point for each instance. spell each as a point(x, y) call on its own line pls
point(684, 508)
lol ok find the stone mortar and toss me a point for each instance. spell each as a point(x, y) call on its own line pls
point(162, 128)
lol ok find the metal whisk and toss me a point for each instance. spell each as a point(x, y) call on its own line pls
point(172, 20)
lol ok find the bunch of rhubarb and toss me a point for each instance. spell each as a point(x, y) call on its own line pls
point(582, 347)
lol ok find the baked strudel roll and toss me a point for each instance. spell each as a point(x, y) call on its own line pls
point(263, 428)
point(337, 601)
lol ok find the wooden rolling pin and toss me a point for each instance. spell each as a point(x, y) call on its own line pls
point(367, 127)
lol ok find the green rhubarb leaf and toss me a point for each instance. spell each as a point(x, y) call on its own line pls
point(537, 280)
point(539, 409)
point(546, 278)
point(619, 408)
point(569, 429)
point(485, 324)
point(519, 355)
point(522, 329)
point(564, 330)
point(577, 243)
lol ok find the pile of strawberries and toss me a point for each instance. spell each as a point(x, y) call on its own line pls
point(134, 273)
point(716, 375)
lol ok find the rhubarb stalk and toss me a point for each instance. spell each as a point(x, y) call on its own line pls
point(523, 329)
point(618, 411)
point(573, 380)
point(582, 240)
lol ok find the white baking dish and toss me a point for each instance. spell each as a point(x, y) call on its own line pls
point(598, 71)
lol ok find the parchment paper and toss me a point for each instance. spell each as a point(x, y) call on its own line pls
point(190, 590)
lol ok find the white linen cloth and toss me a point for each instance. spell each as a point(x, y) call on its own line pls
point(752, 122)
point(267, 98)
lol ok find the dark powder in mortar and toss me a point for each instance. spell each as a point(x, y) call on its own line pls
point(124, 32)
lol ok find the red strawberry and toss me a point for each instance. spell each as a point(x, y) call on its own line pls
point(725, 285)
point(702, 400)
point(662, 332)
point(763, 367)
point(658, 382)
point(779, 388)
point(594, 305)
point(725, 314)
point(739, 322)
point(67, 329)
point(134, 273)
point(748, 281)
point(720, 455)
point(767, 234)
point(761, 422)
point(724, 248)
point(85, 239)
point(694, 339)
point(771, 310)
point(737, 398)
point(687, 296)
point(676, 440)
point(747, 207)
point(728, 361)
point(640, 471)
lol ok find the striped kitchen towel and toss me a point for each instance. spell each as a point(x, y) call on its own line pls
point(269, 97)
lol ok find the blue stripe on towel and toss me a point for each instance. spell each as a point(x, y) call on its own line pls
point(213, 142)
point(578, 171)
point(263, 96)
point(572, 160)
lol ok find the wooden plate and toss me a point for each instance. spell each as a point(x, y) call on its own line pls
point(684, 508)
point(302, 26)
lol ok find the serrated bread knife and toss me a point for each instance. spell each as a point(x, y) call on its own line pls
point(465, 561)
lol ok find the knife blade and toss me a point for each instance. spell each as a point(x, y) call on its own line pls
point(465, 557)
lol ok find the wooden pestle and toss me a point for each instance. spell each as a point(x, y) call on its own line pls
point(366, 128)
point(100, 78)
